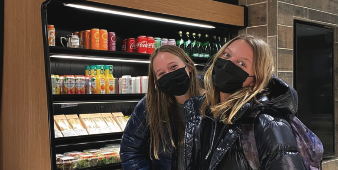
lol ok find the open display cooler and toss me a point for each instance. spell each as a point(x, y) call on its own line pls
point(77, 145)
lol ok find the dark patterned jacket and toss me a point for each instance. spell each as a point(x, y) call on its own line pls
point(210, 144)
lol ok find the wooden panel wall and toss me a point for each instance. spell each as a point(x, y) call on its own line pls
point(24, 121)
point(206, 10)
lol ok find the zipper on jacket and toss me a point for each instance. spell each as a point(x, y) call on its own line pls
point(212, 142)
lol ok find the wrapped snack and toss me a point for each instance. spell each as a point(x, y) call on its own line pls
point(91, 126)
point(76, 125)
point(87, 160)
point(108, 118)
point(119, 118)
point(98, 119)
point(66, 163)
point(57, 132)
point(63, 126)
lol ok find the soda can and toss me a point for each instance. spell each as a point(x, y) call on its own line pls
point(131, 46)
point(133, 85)
point(81, 37)
point(88, 84)
point(151, 45)
point(86, 39)
point(95, 39)
point(53, 79)
point(121, 86)
point(144, 84)
point(164, 41)
point(111, 41)
point(116, 85)
point(142, 44)
point(124, 45)
point(61, 84)
point(80, 87)
point(138, 87)
point(126, 84)
point(158, 42)
point(103, 39)
point(171, 42)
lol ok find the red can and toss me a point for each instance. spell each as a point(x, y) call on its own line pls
point(151, 45)
point(111, 41)
point(142, 44)
point(131, 46)
point(124, 45)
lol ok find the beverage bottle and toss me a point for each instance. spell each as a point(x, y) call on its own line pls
point(199, 45)
point(51, 35)
point(194, 46)
point(224, 41)
point(100, 80)
point(180, 40)
point(214, 46)
point(187, 44)
point(219, 43)
point(108, 73)
point(206, 47)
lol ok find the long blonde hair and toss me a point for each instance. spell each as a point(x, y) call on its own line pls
point(262, 68)
point(160, 105)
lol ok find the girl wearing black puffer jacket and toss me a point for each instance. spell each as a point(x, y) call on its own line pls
point(239, 84)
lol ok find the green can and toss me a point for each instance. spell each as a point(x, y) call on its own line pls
point(158, 42)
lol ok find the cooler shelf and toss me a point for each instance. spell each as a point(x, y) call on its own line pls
point(85, 139)
point(104, 55)
point(87, 98)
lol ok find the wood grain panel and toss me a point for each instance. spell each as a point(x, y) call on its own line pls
point(24, 118)
point(205, 10)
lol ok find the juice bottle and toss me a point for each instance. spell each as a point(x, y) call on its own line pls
point(87, 68)
point(92, 71)
point(108, 72)
point(100, 80)
point(80, 85)
point(57, 84)
point(51, 35)
point(53, 83)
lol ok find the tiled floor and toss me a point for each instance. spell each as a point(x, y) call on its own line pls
point(330, 164)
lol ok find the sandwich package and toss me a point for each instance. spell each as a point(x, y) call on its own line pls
point(64, 126)
point(89, 123)
point(98, 119)
point(112, 124)
point(57, 132)
point(119, 118)
point(76, 124)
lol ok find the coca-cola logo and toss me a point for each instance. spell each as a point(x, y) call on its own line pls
point(132, 46)
point(142, 44)
point(151, 45)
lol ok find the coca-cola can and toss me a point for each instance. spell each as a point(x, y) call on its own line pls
point(151, 45)
point(142, 44)
point(164, 41)
point(111, 41)
point(124, 45)
point(131, 46)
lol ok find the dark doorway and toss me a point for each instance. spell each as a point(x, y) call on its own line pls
point(313, 80)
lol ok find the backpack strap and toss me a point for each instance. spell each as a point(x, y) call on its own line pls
point(248, 141)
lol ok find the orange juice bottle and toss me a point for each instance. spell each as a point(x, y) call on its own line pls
point(92, 71)
point(51, 35)
point(87, 68)
point(108, 73)
point(100, 80)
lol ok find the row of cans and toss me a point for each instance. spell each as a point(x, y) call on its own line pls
point(133, 85)
point(79, 84)
point(144, 44)
point(97, 39)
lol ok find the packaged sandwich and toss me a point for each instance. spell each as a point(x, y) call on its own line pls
point(119, 118)
point(89, 123)
point(98, 119)
point(57, 132)
point(112, 124)
point(66, 163)
point(76, 125)
point(63, 125)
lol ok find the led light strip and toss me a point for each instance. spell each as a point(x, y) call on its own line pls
point(137, 15)
point(99, 59)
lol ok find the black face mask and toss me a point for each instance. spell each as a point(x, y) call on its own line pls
point(227, 76)
point(175, 83)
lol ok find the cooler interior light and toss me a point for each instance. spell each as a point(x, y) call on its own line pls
point(137, 15)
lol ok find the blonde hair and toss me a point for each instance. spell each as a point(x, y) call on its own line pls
point(161, 105)
point(262, 68)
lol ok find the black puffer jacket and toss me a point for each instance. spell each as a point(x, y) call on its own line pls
point(210, 144)
point(135, 144)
